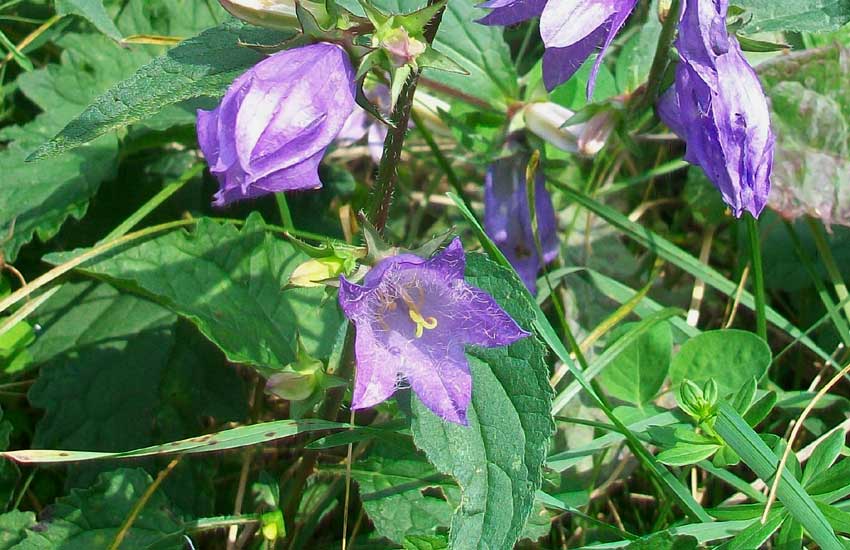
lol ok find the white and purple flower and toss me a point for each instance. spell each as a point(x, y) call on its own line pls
point(571, 30)
point(275, 122)
point(414, 317)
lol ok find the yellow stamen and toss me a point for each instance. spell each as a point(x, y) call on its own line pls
point(422, 323)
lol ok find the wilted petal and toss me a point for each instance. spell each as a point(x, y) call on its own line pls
point(723, 110)
point(510, 12)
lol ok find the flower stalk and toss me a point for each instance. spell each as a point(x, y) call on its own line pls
point(758, 276)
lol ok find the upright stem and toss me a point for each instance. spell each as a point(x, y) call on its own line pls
point(829, 262)
point(381, 197)
point(661, 59)
point(758, 276)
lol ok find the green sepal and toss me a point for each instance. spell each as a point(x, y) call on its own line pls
point(416, 22)
point(375, 16)
point(399, 78)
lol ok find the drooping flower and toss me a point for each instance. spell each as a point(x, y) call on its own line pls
point(508, 221)
point(719, 108)
point(571, 30)
point(413, 317)
point(275, 122)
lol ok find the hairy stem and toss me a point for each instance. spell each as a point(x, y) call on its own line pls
point(662, 57)
point(381, 197)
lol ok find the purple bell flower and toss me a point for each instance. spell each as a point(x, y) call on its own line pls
point(571, 31)
point(719, 108)
point(414, 316)
point(275, 122)
point(508, 222)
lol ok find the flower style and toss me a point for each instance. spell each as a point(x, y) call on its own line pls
point(719, 108)
point(508, 221)
point(413, 318)
point(275, 122)
point(571, 31)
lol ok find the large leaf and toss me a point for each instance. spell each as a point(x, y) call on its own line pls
point(498, 459)
point(230, 283)
point(202, 66)
point(402, 493)
point(92, 10)
point(169, 379)
point(90, 518)
point(794, 15)
point(729, 357)
point(39, 198)
point(13, 526)
point(811, 115)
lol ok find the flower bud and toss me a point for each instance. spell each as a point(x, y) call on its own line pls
point(596, 132)
point(316, 271)
point(546, 120)
point(275, 122)
point(274, 14)
point(690, 398)
point(298, 380)
point(401, 48)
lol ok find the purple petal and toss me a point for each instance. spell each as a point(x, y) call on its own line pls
point(724, 112)
point(276, 121)
point(668, 111)
point(507, 219)
point(510, 12)
point(444, 386)
point(484, 323)
point(572, 30)
point(208, 134)
point(375, 380)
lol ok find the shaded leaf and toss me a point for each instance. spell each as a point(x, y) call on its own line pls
point(230, 283)
point(90, 518)
point(638, 372)
point(92, 10)
point(794, 15)
point(13, 526)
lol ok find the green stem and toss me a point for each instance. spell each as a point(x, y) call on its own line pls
point(662, 57)
point(829, 262)
point(283, 208)
point(381, 197)
point(758, 276)
point(154, 202)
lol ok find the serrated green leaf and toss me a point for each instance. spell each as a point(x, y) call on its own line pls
point(13, 526)
point(92, 10)
point(402, 493)
point(170, 377)
point(425, 543)
point(729, 357)
point(220, 278)
point(202, 66)
point(90, 518)
point(39, 198)
point(794, 15)
point(637, 373)
point(497, 460)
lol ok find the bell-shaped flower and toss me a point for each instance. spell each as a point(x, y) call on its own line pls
point(571, 30)
point(275, 122)
point(507, 218)
point(413, 317)
point(719, 108)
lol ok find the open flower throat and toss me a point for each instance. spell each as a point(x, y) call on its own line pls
point(414, 317)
